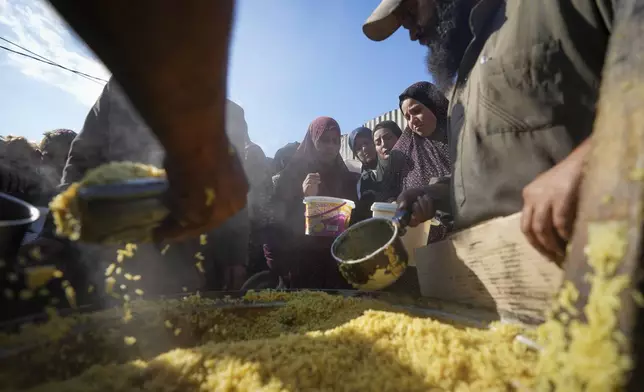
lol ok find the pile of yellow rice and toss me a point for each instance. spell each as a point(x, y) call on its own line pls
point(321, 342)
point(315, 341)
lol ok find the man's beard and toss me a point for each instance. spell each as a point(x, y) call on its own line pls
point(448, 34)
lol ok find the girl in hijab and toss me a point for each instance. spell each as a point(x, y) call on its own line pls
point(361, 143)
point(375, 164)
point(316, 169)
point(385, 136)
point(387, 174)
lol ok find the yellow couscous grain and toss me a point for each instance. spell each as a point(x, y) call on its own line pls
point(165, 249)
point(315, 341)
point(26, 295)
point(109, 285)
point(589, 355)
point(38, 276)
point(110, 269)
point(210, 196)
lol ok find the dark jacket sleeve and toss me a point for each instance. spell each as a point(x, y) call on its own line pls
point(392, 178)
point(14, 183)
point(89, 147)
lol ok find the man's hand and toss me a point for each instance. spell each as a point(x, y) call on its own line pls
point(311, 185)
point(420, 204)
point(205, 190)
point(550, 205)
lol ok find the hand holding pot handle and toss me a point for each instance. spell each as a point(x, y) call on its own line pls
point(403, 217)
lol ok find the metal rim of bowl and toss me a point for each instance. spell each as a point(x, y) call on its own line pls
point(34, 214)
point(340, 238)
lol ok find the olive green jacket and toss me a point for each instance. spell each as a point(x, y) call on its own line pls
point(524, 98)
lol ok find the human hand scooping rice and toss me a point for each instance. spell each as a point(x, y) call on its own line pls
point(311, 184)
point(172, 64)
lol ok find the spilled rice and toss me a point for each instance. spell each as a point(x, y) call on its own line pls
point(315, 341)
point(589, 355)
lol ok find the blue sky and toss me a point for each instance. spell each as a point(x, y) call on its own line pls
point(291, 61)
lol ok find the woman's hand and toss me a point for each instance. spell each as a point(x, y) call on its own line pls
point(311, 184)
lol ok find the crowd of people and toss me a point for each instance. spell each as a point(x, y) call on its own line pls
point(265, 245)
point(39, 165)
point(504, 129)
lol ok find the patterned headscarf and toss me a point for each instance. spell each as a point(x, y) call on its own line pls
point(424, 157)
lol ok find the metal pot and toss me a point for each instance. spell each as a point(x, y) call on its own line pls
point(15, 218)
point(370, 254)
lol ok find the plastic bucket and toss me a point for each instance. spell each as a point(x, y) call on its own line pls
point(416, 237)
point(327, 216)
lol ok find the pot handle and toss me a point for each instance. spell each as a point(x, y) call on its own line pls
point(401, 219)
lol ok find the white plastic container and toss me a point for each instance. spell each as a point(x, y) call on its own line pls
point(416, 237)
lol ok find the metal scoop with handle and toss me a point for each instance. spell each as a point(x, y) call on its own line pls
point(122, 212)
point(370, 254)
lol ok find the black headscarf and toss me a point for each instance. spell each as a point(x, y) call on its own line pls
point(430, 96)
point(390, 125)
point(283, 156)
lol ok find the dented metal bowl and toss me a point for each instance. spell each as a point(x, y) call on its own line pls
point(371, 255)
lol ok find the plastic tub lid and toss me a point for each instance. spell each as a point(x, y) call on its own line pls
point(327, 199)
point(387, 207)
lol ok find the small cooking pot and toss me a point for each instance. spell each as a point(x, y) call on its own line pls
point(15, 218)
point(370, 254)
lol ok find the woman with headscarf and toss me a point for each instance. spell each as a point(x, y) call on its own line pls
point(362, 146)
point(424, 142)
point(385, 136)
point(316, 169)
point(421, 155)
point(384, 180)
point(282, 158)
